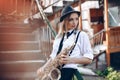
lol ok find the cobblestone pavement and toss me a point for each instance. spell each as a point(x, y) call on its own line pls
point(92, 78)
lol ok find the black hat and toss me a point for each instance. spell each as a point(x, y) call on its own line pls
point(66, 11)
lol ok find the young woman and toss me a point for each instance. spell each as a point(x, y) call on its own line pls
point(68, 34)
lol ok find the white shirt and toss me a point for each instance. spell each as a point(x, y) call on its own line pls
point(81, 49)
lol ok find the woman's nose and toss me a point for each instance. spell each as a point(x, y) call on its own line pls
point(74, 22)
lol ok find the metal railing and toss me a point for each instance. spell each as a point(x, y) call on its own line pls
point(97, 45)
point(44, 17)
point(97, 40)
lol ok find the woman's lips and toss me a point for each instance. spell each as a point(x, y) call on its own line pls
point(73, 26)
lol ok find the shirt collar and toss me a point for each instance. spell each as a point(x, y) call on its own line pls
point(70, 30)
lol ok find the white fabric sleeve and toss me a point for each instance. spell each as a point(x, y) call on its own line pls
point(86, 46)
point(55, 48)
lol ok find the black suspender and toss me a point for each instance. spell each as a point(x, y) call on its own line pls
point(61, 44)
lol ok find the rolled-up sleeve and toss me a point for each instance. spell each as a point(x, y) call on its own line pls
point(86, 49)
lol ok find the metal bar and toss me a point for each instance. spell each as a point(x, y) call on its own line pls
point(103, 30)
point(45, 18)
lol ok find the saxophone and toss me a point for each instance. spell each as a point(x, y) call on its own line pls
point(51, 71)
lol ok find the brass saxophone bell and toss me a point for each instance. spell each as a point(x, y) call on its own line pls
point(54, 74)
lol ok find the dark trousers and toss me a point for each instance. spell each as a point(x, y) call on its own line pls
point(68, 73)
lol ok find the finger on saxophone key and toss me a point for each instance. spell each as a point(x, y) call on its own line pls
point(40, 71)
point(63, 59)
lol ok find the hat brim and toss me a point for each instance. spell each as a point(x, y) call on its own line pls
point(65, 15)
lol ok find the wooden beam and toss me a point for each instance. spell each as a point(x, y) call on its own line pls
point(107, 31)
point(80, 19)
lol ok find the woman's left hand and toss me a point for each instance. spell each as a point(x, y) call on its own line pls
point(65, 59)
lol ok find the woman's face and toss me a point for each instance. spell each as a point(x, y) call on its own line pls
point(72, 21)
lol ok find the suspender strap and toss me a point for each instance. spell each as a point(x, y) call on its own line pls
point(75, 44)
point(61, 44)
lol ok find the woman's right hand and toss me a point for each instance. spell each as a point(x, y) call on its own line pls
point(40, 71)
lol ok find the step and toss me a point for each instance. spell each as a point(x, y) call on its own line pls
point(33, 55)
point(22, 25)
point(16, 28)
point(21, 66)
point(14, 46)
point(18, 75)
point(17, 37)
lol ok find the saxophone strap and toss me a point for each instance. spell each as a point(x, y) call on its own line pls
point(75, 44)
point(61, 43)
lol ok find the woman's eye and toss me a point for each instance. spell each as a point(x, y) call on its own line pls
point(70, 19)
point(76, 18)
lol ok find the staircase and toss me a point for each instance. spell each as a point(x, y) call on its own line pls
point(23, 48)
point(20, 53)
